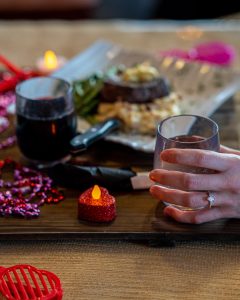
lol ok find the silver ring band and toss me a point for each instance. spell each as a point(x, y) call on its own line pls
point(211, 199)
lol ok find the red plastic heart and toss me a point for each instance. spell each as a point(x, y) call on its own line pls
point(25, 282)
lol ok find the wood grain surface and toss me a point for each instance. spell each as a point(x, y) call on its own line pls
point(113, 269)
point(139, 216)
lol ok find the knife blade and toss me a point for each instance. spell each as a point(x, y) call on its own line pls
point(83, 177)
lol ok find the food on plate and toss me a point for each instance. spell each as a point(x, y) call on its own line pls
point(86, 95)
point(138, 95)
point(140, 73)
point(97, 205)
point(139, 84)
point(140, 118)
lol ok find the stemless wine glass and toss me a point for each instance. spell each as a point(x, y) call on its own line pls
point(46, 121)
point(185, 131)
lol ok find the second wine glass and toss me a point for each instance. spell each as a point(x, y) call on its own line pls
point(186, 132)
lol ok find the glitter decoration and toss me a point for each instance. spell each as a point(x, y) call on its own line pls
point(97, 205)
point(9, 78)
point(28, 191)
point(6, 100)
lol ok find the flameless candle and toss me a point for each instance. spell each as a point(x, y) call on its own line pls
point(97, 205)
point(50, 62)
point(96, 193)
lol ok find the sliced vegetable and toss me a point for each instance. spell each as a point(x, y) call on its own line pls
point(85, 93)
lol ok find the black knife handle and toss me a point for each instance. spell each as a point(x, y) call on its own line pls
point(82, 177)
point(95, 133)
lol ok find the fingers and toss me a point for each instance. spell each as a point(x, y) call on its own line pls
point(188, 189)
point(200, 216)
point(198, 158)
point(193, 200)
point(188, 181)
point(228, 150)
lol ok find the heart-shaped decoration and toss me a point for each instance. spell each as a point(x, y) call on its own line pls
point(25, 282)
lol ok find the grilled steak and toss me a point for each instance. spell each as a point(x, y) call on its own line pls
point(135, 92)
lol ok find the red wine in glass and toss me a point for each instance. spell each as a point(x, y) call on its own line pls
point(186, 132)
point(45, 140)
point(46, 121)
point(190, 142)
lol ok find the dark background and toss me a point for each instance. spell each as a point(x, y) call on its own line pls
point(108, 9)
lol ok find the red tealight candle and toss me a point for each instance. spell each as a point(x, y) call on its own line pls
point(97, 205)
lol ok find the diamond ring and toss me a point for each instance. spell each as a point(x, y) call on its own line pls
point(211, 199)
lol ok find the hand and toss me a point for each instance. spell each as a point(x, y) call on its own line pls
point(190, 190)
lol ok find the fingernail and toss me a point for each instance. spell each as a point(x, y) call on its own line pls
point(152, 176)
point(164, 155)
point(153, 191)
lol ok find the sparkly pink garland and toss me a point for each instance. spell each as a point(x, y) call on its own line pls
point(28, 191)
point(6, 100)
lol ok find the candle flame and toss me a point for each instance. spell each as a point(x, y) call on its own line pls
point(50, 60)
point(53, 128)
point(96, 192)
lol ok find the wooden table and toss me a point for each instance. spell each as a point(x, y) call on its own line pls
point(122, 270)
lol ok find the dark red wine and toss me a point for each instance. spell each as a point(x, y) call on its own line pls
point(194, 142)
point(188, 138)
point(45, 139)
point(191, 142)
